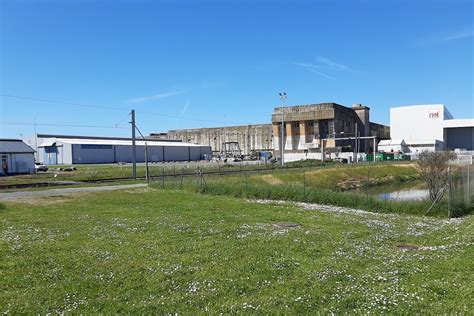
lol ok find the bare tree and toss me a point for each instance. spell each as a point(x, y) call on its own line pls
point(434, 168)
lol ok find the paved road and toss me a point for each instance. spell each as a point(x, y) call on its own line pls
point(19, 195)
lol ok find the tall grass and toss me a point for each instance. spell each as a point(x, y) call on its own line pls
point(294, 185)
point(322, 196)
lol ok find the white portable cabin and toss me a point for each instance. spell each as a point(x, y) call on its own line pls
point(392, 145)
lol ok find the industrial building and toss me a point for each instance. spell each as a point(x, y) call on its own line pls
point(429, 127)
point(16, 157)
point(256, 137)
point(306, 126)
point(66, 149)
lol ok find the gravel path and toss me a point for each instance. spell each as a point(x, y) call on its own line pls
point(20, 195)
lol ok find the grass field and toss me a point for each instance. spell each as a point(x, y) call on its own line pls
point(164, 251)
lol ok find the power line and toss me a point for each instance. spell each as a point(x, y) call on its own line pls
point(110, 108)
point(61, 125)
point(62, 102)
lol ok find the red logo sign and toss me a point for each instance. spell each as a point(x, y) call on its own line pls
point(434, 114)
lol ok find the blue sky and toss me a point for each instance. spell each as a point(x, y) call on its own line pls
point(210, 63)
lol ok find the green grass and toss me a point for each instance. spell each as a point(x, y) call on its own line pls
point(346, 186)
point(107, 171)
point(344, 177)
point(162, 251)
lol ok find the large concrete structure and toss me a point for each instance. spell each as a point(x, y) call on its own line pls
point(256, 137)
point(309, 127)
point(64, 149)
point(16, 156)
point(430, 127)
point(305, 126)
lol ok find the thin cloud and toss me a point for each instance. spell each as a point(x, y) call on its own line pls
point(331, 64)
point(156, 96)
point(185, 108)
point(459, 35)
point(313, 68)
point(439, 39)
point(182, 112)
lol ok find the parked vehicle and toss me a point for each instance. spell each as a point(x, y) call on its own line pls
point(40, 167)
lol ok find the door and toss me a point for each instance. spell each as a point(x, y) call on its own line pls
point(4, 167)
point(51, 155)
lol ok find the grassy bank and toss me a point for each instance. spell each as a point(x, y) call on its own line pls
point(347, 186)
point(112, 171)
point(315, 185)
point(343, 177)
point(162, 251)
point(323, 196)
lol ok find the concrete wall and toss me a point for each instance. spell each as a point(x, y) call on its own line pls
point(250, 137)
point(306, 125)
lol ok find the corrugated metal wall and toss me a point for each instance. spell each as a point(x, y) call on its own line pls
point(123, 153)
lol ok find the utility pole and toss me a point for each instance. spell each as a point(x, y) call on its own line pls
point(147, 173)
point(355, 145)
point(374, 151)
point(282, 147)
point(134, 152)
point(36, 142)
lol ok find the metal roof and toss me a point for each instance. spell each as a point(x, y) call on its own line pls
point(103, 138)
point(14, 146)
point(458, 123)
point(139, 142)
point(391, 142)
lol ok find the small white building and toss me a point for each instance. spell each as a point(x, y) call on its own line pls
point(18, 157)
point(393, 145)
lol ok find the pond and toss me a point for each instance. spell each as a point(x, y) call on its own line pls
point(404, 195)
point(406, 191)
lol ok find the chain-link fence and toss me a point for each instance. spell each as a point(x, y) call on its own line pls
point(461, 185)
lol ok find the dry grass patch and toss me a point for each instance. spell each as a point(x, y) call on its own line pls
point(270, 179)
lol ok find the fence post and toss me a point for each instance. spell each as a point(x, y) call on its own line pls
point(182, 176)
point(367, 188)
point(163, 178)
point(304, 185)
point(245, 176)
point(468, 186)
point(450, 189)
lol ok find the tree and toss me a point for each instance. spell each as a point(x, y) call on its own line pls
point(434, 168)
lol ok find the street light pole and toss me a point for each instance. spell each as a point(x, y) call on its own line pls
point(282, 147)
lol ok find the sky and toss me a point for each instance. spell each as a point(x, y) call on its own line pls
point(79, 67)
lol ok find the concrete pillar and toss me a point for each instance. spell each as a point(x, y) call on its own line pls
point(303, 134)
point(289, 135)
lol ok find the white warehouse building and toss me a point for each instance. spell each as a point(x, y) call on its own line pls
point(66, 149)
point(429, 127)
